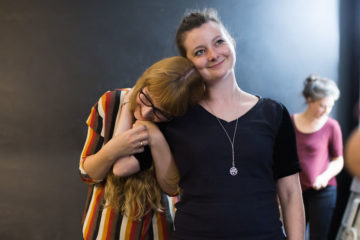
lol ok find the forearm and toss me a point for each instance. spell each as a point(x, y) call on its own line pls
point(334, 168)
point(166, 170)
point(98, 158)
point(291, 202)
point(294, 219)
point(99, 164)
point(126, 166)
point(125, 120)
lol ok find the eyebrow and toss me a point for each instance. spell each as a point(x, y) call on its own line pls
point(212, 40)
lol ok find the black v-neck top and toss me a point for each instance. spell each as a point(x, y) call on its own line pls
point(216, 205)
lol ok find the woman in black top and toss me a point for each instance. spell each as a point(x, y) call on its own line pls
point(236, 152)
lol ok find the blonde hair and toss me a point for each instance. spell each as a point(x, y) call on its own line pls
point(134, 196)
point(173, 83)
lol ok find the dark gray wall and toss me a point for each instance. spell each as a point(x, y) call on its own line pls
point(58, 57)
point(349, 63)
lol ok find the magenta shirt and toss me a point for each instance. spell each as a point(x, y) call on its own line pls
point(316, 149)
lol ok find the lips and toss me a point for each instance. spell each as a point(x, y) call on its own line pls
point(217, 64)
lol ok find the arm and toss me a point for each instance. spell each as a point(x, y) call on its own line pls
point(290, 196)
point(337, 163)
point(333, 169)
point(166, 170)
point(99, 164)
point(127, 165)
point(98, 158)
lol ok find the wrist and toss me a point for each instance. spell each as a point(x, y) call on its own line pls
point(156, 138)
point(124, 103)
point(106, 154)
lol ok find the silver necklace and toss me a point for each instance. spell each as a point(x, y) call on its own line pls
point(233, 170)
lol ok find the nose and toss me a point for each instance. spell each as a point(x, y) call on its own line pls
point(212, 54)
point(146, 112)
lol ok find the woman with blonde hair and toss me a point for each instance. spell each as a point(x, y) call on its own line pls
point(125, 200)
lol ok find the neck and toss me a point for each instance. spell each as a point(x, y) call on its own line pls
point(309, 116)
point(224, 90)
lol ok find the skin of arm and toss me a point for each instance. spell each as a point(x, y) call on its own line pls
point(334, 167)
point(166, 170)
point(124, 143)
point(99, 164)
point(127, 165)
point(290, 196)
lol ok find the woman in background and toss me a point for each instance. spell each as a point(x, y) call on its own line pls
point(320, 150)
point(125, 200)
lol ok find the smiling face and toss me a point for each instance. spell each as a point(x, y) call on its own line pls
point(322, 107)
point(146, 110)
point(211, 50)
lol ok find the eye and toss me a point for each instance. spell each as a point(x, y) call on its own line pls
point(199, 52)
point(219, 42)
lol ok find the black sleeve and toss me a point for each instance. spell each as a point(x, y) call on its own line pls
point(286, 160)
point(144, 158)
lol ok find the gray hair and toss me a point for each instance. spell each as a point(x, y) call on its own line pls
point(316, 88)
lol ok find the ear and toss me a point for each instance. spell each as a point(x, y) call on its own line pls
point(309, 100)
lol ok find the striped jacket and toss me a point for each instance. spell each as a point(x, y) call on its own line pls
point(106, 223)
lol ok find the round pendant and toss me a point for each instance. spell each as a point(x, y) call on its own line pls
point(233, 171)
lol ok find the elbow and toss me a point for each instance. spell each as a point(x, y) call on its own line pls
point(122, 172)
point(170, 187)
point(126, 167)
point(170, 190)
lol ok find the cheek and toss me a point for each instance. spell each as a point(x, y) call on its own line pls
point(199, 63)
point(137, 114)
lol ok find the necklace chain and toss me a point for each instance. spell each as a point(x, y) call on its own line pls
point(233, 170)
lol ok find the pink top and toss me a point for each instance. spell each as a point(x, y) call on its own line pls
point(316, 149)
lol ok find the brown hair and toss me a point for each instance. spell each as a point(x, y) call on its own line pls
point(173, 83)
point(134, 195)
point(194, 19)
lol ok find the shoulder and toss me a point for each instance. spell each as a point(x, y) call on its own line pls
point(194, 115)
point(114, 92)
point(333, 124)
point(110, 101)
point(270, 103)
point(273, 109)
point(112, 96)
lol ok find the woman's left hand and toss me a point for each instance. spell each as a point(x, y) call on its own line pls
point(150, 126)
point(320, 182)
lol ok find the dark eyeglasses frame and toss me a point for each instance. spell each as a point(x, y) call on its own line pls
point(157, 112)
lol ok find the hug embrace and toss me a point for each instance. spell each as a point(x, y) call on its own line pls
point(187, 130)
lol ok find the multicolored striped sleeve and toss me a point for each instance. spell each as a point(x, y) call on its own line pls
point(101, 123)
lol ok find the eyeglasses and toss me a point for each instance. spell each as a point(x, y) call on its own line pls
point(160, 114)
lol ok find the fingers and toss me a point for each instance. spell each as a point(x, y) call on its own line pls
point(319, 185)
point(147, 124)
point(138, 128)
point(138, 150)
point(133, 140)
point(142, 143)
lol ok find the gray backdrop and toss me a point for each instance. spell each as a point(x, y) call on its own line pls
point(58, 57)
